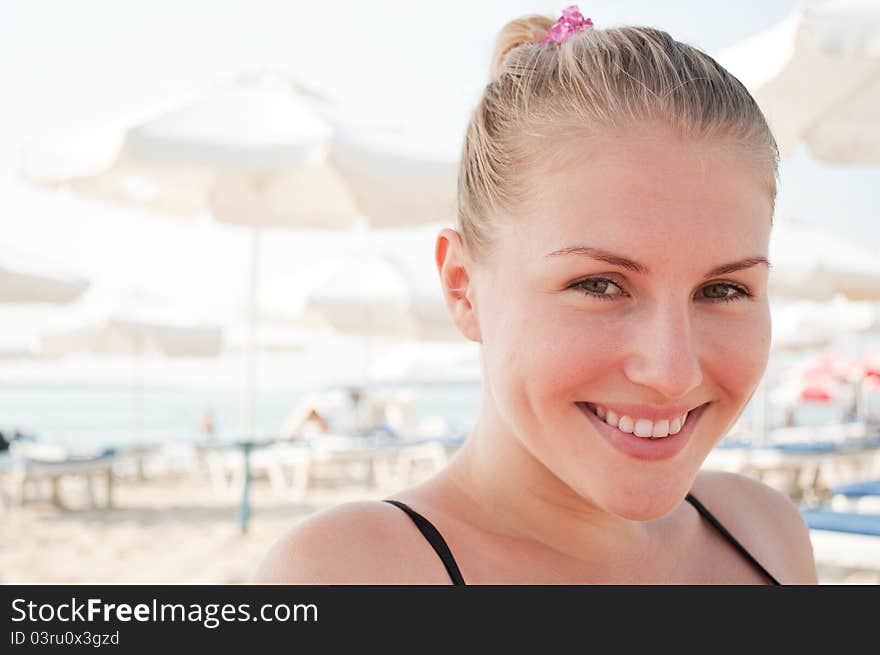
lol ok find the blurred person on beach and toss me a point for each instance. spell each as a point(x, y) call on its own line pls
point(336, 410)
point(206, 425)
point(616, 196)
point(305, 425)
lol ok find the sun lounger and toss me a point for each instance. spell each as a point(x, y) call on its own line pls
point(6, 466)
point(24, 475)
point(859, 489)
point(860, 497)
point(337, 457)
point(138, 462)
point(844, 539)
point(849, 522)
point(803, 470)
point(288, 467)
point(226, 470)
point(833, 433)
point(405, 463)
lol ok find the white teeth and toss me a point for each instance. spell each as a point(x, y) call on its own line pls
point(661, 429)
point(643, 428)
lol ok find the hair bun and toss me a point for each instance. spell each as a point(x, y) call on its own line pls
point(528, 29)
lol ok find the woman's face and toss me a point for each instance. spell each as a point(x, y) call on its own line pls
point(635, 280)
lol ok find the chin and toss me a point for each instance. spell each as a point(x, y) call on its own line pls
point(642, 500)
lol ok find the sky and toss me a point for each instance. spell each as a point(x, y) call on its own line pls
point(406, 58)
point(418, 65)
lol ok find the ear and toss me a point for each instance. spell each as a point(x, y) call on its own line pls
point(458, 289)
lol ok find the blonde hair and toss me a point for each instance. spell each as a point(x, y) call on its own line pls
point(596, 79)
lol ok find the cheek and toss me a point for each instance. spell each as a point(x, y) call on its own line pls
point(736, 349)
point(578, 351)
point(546, 355)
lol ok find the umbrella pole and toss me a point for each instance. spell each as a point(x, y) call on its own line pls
point(361, 420)
point(250, 380)
point(138, 389)
point(250, 350)
point(244, 509)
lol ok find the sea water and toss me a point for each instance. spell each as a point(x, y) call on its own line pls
point(93, 415)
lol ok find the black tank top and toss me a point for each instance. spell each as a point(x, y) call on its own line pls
point(439, 543)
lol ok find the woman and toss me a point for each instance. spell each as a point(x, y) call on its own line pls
point(616, 196)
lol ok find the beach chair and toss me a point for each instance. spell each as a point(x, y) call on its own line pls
point(859, 497)
point(831, 433)
point(177, 458)
point(132, 462)
point(225, 470)
point(25, 477)
point(288, 467)
point(406, 463)
point(6, 466)
point(804, 470)
point(844, 539)
point(336, 458)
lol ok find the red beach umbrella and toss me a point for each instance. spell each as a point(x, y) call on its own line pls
point(815, 394)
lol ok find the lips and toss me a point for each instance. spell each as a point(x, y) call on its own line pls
point(645, 428)
point(643, 448)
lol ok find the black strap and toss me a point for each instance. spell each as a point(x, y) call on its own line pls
point(442, 549)
point(709, 517)
point(435, 539)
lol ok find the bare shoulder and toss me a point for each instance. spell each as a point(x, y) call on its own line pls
point(363, 542)
point(764, 520)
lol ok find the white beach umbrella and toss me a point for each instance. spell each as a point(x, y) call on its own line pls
point(274, 338)
point(816, 76)
point(123, 336)
point(26, 278)
point(812, 264)
point(261, 151)
point(108, 321)
point(30, 288)
point(802, 324)
point(128, 323)
point(22, 322)
point(382, 295)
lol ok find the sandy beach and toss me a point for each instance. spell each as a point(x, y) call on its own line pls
point(174, 530)
point(177, 530)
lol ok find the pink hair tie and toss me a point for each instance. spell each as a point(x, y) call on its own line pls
point(570, 23)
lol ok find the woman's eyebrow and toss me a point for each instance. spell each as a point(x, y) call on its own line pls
point(630, 265)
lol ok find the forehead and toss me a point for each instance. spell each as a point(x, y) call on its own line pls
point(645, 193)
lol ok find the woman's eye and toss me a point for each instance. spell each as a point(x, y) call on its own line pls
point(604, 289)
point(598, 287)
point(721, 292)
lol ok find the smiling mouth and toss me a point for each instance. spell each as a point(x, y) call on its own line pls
point(644, 428)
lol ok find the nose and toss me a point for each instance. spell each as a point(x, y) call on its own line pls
point(664, 355)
